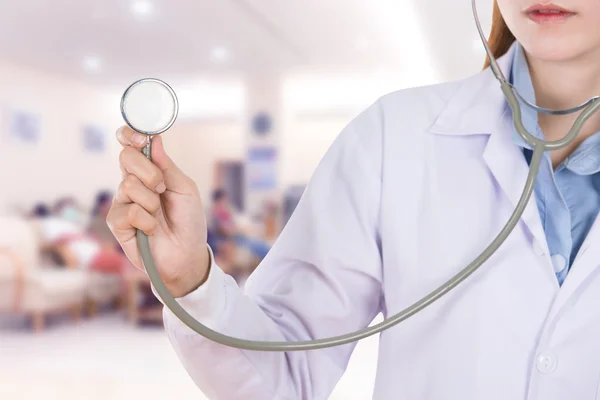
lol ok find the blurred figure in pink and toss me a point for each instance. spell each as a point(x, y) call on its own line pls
point(222, 229)
point(64, 234)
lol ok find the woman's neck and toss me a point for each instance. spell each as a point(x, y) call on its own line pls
point(563, 85)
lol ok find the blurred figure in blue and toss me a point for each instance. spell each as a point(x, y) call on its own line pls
point(68, 209)
point(231, 242)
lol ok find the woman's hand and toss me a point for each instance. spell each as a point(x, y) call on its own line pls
point(159, 199)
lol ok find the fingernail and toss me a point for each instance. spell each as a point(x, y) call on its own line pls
point(161, 187)
point(139, 139)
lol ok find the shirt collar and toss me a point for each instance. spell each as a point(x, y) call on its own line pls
point(585, 160)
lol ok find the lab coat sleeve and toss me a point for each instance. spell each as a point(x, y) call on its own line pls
point(322, 278)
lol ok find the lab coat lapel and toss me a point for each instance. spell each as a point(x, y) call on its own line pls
point(480, 108)
point(586, 262)
point(510, 169)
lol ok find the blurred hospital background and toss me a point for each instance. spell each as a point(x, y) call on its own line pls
point(264, 88)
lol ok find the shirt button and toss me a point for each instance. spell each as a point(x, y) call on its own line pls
point(559, 262)
point(546, 363)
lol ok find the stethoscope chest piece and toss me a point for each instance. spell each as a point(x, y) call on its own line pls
point(149, 106)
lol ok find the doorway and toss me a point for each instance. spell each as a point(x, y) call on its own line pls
point(229, 176)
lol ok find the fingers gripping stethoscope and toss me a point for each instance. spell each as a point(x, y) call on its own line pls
point(150, 106)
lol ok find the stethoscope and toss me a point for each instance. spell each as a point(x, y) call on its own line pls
point(150, 106)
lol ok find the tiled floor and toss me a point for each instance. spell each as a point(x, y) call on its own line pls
point(107, 359)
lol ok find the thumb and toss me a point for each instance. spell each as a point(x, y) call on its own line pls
point(175, 179)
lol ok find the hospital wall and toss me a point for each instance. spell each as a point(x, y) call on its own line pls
point(319, 103)
point(196, 146)
point(57, 165)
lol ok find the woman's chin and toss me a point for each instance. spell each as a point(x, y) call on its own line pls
point(554, 48)
point(544, 50)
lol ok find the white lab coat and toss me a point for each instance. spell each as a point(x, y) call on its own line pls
point(411, 191)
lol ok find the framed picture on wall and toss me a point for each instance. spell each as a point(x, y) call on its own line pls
point(23, 126)
point(94, 139)
point(262, 168)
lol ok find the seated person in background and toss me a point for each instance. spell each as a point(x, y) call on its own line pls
point(222, 221)
point(251, 236)
point(63, 233)
point(221, 230)
point(48, 252)
point(97, 225)
point(68, 209)
point(40, 210)
point(237, 248)
point(111, 250)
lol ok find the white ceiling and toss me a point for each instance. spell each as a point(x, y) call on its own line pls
point(261, 35)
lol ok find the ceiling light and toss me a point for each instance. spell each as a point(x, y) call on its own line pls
point(142, 8)
point(219, 54)
point(92, 63)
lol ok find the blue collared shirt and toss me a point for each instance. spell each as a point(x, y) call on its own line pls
point(568, 198)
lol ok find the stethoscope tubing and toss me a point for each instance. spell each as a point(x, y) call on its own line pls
point(539, 147)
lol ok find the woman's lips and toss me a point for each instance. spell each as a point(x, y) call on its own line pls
point(548, 13)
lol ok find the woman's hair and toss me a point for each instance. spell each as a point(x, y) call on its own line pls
point(501, 38)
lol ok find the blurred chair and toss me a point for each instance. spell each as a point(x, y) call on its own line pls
point(103, 289)
point(142, 305)
point(26, 286)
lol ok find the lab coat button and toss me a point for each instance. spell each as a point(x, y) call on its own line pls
point(546, 363)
